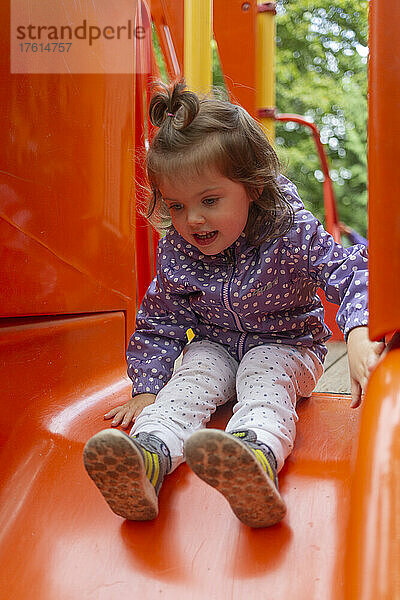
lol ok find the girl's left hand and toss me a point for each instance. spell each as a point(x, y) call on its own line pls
point(363, 356)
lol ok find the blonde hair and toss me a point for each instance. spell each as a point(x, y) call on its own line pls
point(199, 133)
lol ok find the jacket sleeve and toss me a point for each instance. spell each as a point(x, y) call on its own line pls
point(159, 337)
point(356, 238)
point(341, 272)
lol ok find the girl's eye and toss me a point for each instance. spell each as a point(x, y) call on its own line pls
point(209, 201)
point(175, 207)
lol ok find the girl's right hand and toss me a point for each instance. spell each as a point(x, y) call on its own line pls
point(125, 414)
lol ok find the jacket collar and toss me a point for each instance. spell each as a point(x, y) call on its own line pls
point(238, 248)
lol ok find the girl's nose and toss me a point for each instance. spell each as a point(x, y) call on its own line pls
point(195, 218)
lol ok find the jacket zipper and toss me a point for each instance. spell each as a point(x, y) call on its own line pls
point(241, 343)
point(226, 290)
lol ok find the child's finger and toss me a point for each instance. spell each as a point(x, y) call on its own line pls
point(138, 410)
point(112, 412)
point(127, 418)
point(118, 418)
point(355, 394)
point(375, 356)
point(379, 347)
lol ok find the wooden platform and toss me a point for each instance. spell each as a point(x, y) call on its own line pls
point(336, 377)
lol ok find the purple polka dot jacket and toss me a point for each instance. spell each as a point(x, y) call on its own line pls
point(247, 296)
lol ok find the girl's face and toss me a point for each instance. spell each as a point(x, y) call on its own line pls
point(208, 211)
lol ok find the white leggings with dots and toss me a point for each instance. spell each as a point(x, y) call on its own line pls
point(267, 384)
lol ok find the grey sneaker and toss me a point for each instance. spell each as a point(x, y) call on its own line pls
point(242, 469)
point(128, 471)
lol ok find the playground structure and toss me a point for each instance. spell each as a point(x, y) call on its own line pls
point(77, 259)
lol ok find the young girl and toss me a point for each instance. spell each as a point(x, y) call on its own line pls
point(240, 266)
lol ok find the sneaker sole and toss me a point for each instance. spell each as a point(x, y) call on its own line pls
point(117, 468)
point(228, 466)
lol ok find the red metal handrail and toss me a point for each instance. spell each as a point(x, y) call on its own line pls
point(331, 215)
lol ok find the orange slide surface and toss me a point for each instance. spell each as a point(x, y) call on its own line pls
point(73, 265)
point(60, 541)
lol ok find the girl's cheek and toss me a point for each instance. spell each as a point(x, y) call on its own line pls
point(177, 223)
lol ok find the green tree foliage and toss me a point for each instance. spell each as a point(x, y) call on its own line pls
point(321, 72)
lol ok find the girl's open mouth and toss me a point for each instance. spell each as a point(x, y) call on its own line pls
point(203, 239)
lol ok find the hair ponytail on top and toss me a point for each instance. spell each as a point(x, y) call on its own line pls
point(175, 102)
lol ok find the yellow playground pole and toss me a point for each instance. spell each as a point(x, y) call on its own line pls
point(197, 45)
point(265, 62)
